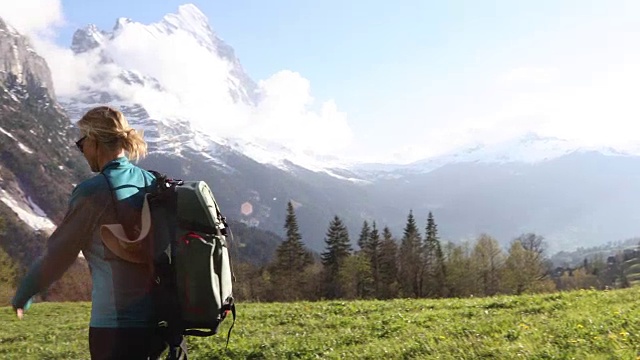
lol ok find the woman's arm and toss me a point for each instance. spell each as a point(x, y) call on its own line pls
point(63, 246)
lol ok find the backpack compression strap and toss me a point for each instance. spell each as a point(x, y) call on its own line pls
point(233, 311)
point(226, 309)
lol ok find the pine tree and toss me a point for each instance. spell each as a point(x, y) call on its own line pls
point(338, 249)
point(364, 278)
point(388, 267)
point(373, 252)
point(369, 243)
point(291, 259)
point(364, 235)
point(433, 261)
point(410, 259)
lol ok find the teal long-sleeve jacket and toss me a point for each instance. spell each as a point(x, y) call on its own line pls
point(120, 290)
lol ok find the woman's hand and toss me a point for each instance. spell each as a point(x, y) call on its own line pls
point(25, 307)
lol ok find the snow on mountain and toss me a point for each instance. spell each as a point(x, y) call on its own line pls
point(28, 212)
point(23, 73)
point(184, 86)
point(270, 152)
point(194, 96)
point(88, 38)
point(22, 146)
point(529, 148)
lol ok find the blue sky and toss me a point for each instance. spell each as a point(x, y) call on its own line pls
point(357, 51)
point(421, 77)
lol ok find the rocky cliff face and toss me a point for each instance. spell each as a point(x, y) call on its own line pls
point(22, 71)
point(38, 163)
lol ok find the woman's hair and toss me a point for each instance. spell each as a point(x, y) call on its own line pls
point(111, 128)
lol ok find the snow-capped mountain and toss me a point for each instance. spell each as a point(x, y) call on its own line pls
point(174, 122)
point(529, 148)
point(570, 194)
point(37, 167)
point(23, 73)
point(188, 21)
point(40, 165)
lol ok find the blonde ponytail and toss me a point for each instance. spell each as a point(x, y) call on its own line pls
point(134, 144)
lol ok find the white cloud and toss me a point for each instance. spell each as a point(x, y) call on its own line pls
point(198, 89)
point(195, 77)
point(68, 71)
point(38, 23)
point(285, 115)
point(603, 112)
point(529, 75)
point(197, 81)
point(579, 84)
point(594, 107)
point(599, 109)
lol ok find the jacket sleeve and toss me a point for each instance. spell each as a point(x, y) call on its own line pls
point(63, 246)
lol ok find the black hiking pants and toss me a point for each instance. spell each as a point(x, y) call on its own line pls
point(128, 344)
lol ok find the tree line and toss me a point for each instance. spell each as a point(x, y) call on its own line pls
point(418, 264)
point(378, 265)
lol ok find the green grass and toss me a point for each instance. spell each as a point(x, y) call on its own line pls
point(632, 271)
point(573, 325)
point(632, 262)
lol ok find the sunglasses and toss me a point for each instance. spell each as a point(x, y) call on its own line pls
point(80, 142)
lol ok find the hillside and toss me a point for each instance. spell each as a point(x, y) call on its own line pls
point(39, 167)
point(577, 257)
point(572, 197)
point(38, 164)
point(581, 199)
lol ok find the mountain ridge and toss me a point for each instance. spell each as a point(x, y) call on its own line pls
point(39, 163)
point(517, 155)
point(190, 20)
point(466, 197)
point(528, 148)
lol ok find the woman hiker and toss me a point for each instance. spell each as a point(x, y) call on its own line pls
point(121, 325)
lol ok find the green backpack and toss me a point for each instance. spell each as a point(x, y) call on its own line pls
point(193, 288)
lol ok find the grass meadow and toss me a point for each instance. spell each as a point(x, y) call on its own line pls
point(585, 324)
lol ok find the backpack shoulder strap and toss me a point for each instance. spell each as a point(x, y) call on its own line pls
point(113, 199)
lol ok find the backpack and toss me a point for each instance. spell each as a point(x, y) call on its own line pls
point(193, 274)
point(189, 258)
